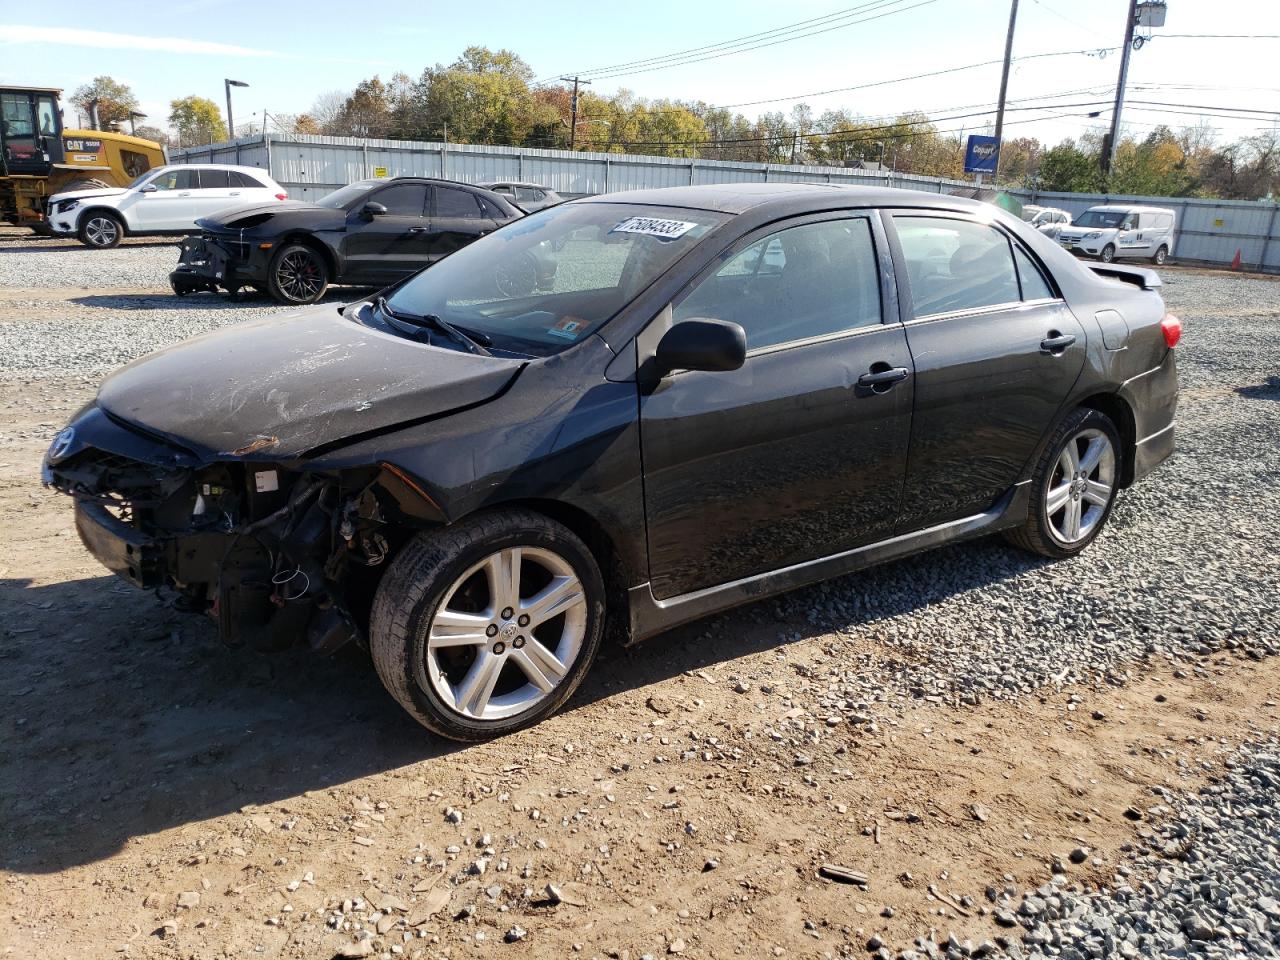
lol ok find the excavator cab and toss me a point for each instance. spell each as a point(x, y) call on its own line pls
point(30, 131)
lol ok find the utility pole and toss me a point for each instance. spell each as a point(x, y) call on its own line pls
point(1109, 148)
point(573, 110)
point(1004, 88)
point(231, 126)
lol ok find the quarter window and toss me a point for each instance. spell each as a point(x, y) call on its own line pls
point(956, 264)
point(1034, 285)
point(403, 199)
point(456, 204)
point(807, 281)
point(243, 181)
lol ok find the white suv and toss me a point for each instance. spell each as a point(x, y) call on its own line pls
point(166, 200)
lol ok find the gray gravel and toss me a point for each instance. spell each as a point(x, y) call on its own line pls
point(68, 263)
point(1207, 883)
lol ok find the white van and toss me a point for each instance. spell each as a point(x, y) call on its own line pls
point(1117, 231)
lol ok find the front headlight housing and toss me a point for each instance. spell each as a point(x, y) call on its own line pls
point(1094, 235)
point(66, 205)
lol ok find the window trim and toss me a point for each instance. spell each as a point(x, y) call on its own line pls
point(906, 299)
point(884, 274)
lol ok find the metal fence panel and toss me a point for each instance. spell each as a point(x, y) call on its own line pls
point(1208, 231)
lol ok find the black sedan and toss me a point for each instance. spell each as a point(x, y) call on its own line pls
point(369, 233)
point(726, 392)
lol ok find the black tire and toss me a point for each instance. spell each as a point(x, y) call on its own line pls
point(1162, 254)
point(418, 584)
point(297, 274)
point(1108, 253)
point(101, 230)
point(1038, 533)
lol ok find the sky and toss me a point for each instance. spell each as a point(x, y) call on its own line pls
point(289, 53)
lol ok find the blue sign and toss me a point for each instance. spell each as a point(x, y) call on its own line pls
point(980, 154)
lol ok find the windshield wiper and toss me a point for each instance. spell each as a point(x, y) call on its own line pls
point(475, 343)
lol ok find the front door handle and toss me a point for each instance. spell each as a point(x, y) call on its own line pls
point(881, 378)
point(1057, 343)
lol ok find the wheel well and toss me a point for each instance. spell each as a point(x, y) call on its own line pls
point(1114, 407)
point(115, 215)
point(309, 241)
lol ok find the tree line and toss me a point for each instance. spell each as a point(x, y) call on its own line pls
point(491, 97)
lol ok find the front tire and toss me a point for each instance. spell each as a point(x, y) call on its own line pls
point(1074, 487)
point(1108, 253)
point(297, 275)
point(1161, 256)
point(101, 231)
point(488, 626)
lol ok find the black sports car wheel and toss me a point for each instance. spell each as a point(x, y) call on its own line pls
point(298, 274)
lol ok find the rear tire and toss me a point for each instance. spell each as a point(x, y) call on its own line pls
point(1161, 256)
point(297, 275)
point(1073, 488)
point(101, 230)
point(1108, 253)
point(489, 625)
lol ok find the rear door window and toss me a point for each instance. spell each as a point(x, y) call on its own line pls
point(214, 180)
point(456, 204)
point(956, 265)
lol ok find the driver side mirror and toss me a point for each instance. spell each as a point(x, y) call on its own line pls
point(149, 188)
point(701, 344)
point(373, 209)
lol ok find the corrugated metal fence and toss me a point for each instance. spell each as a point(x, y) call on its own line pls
point(1209, 231)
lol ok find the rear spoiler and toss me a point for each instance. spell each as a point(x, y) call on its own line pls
point(1138, 276)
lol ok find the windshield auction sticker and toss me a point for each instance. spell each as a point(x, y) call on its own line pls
point(570, 328)
point(652, 227)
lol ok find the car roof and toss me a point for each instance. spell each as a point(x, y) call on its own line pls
point(212, 166)
point(738, 198)
point(1126, 207)
point(514, 183)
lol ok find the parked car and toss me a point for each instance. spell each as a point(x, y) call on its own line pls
point(474, 484)
point(1113, 231)
point(368, 233)
point(1049, 220)
point(164, 201)
point(529, 197)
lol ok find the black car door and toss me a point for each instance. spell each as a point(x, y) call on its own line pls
point(790, 457)
point(996, 352)
point(457, 219)
point(382, 248)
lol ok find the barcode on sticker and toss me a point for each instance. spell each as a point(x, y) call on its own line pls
point(652, 227)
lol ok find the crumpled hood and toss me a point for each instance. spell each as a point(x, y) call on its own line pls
point(276, 388)
point(88, 194)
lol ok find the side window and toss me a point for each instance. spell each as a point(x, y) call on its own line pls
point(490, 209)
point(1034, 285)
point(242, 181)
point(807, 281)
point(1135, 221)
point(403, 199)
point(176, 180)
point(214, 180)
point(527, 195)
point(956, 264)
point(456, 204)
point(135, 164)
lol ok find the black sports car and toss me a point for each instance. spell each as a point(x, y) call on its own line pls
point(368, 233)
point(726, 392)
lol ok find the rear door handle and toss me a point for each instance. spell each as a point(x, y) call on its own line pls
point(419, 229)
point(1057, 343)
point(882, 378)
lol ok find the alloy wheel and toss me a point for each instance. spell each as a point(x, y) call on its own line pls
point(101, 231)
point(299, 275)
point(1081, 486)
point(506, 634)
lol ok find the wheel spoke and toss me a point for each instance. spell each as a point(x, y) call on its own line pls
point(1071, 461)
point(473, 693)
point(558, 596)
point(1098, 493)
point(540, 665)
point(1072, 520)
point(503, 573)
point(452, 628)
point(1057, 498)
point(1093, 454)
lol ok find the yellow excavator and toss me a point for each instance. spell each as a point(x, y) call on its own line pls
point(38, 158)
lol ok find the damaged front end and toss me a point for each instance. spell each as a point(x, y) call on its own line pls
point(274, 553)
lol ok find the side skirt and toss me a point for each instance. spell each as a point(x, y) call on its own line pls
point(650, 616)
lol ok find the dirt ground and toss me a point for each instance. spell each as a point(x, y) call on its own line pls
point(163, 796)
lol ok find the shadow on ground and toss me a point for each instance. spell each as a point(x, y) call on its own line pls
point(126, 718)
point(1270, 390)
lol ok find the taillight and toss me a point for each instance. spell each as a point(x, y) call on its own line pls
point(1171, 327)
point(282, 196)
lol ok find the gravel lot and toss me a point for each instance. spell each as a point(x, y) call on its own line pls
point(812, 696)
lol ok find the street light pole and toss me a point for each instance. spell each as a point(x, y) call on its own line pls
point(1109, 148)
point(231, 126)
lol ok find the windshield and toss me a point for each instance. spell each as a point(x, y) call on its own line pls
point(544, 282)
point(344, 195)
point(142, 177)
point(1101, 218)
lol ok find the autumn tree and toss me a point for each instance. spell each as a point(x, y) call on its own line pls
point(196, 120)
point(115, 101)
